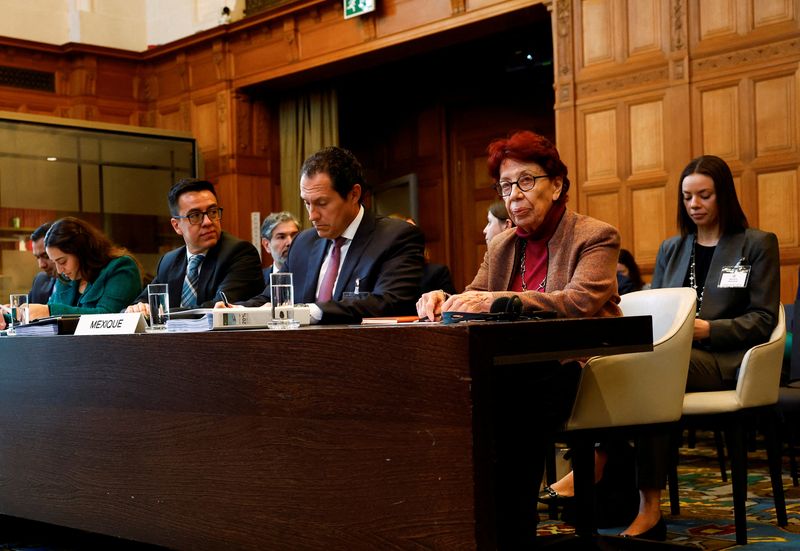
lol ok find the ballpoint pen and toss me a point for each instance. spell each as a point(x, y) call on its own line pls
point(225, 300)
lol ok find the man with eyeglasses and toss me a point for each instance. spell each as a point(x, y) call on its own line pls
point(45, 281)
point(211, 262)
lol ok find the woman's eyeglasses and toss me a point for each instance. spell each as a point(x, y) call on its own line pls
point(525, 183)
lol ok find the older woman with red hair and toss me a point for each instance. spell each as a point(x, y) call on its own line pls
point(554, 259)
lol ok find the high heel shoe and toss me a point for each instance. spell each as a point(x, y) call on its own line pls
point(549, 496)
point(657, 533)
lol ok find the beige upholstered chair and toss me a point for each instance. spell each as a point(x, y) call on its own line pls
point(756, 393)
point(626, 391)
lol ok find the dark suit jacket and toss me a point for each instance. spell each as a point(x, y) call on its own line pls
point(41, 289)
point(386, 256)
point(231, 266)
point(267, 272)
point(739, 318)
point(436, 277)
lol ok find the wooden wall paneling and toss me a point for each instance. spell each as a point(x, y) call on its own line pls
point(224, 113)
point(777, 206)
point(170, 117)
point(789, 283)
point(598, 32)
point(322, 30)
point(776, 123)
point(649, 221)
point(769, 12)
point(602, 152)
point(718, 18)
point(604, 205)
point(399, 15)
point(564, 62)
point(274, 45)
point(719, 121)
point(205, 126)
point(740, 29)
point(646, 132)
point(645, 26)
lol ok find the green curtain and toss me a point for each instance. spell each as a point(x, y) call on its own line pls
point(308, 122)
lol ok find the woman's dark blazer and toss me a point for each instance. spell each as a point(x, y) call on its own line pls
point(739, 318)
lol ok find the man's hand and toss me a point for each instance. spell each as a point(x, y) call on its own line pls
point(221, 304)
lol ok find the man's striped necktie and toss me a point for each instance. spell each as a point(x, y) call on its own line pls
point(189, 293)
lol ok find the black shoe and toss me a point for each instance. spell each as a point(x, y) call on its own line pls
point(549, 496)
point(657, 533)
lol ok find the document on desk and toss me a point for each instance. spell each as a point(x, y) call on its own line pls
point(390, 320)
point(209, 319)
point(214, 319)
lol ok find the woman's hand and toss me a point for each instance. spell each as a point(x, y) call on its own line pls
point(471, 301)
point(702, 329)
point(138, 308)
point(429, 305)
point(36, 311)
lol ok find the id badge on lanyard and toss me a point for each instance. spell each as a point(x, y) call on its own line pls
point(736, 276)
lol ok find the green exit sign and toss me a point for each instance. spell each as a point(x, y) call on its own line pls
point(354, 8)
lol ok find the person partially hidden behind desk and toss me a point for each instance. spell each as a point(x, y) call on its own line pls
point(95, 276)
point(553, 260)
point(352, 264)
point(45, 281)
point(211, 261)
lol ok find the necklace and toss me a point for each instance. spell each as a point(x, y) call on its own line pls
point(693, 277)
point(542, 284)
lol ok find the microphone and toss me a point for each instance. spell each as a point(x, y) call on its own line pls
point(507, 305)
point(499, 305)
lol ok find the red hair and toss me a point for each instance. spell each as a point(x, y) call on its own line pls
point(528, 147)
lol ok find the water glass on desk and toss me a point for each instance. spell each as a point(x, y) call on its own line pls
point(281, 291)
point(158, 300)
point(19, 311)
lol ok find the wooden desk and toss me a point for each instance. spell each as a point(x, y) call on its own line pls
point(321, 438)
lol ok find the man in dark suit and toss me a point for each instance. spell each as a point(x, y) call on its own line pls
point(211, 262)
point(277, 233)
point(43, 283)
point(352, 264)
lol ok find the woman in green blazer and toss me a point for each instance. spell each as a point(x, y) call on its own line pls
point(94, 275)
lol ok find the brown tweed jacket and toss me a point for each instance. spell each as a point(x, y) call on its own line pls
point(581, 269)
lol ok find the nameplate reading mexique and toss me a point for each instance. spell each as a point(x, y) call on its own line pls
point(110, 324)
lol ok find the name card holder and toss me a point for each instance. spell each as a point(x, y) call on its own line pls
point(111, 324)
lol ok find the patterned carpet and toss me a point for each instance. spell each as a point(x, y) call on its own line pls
point(706, 519)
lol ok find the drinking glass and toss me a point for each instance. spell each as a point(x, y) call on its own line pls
point(19, 312)
point(282, 292)
point(158, 300)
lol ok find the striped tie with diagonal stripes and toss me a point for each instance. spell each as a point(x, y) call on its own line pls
point(189, 293)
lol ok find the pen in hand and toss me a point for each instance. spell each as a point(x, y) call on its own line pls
point(225, 299)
